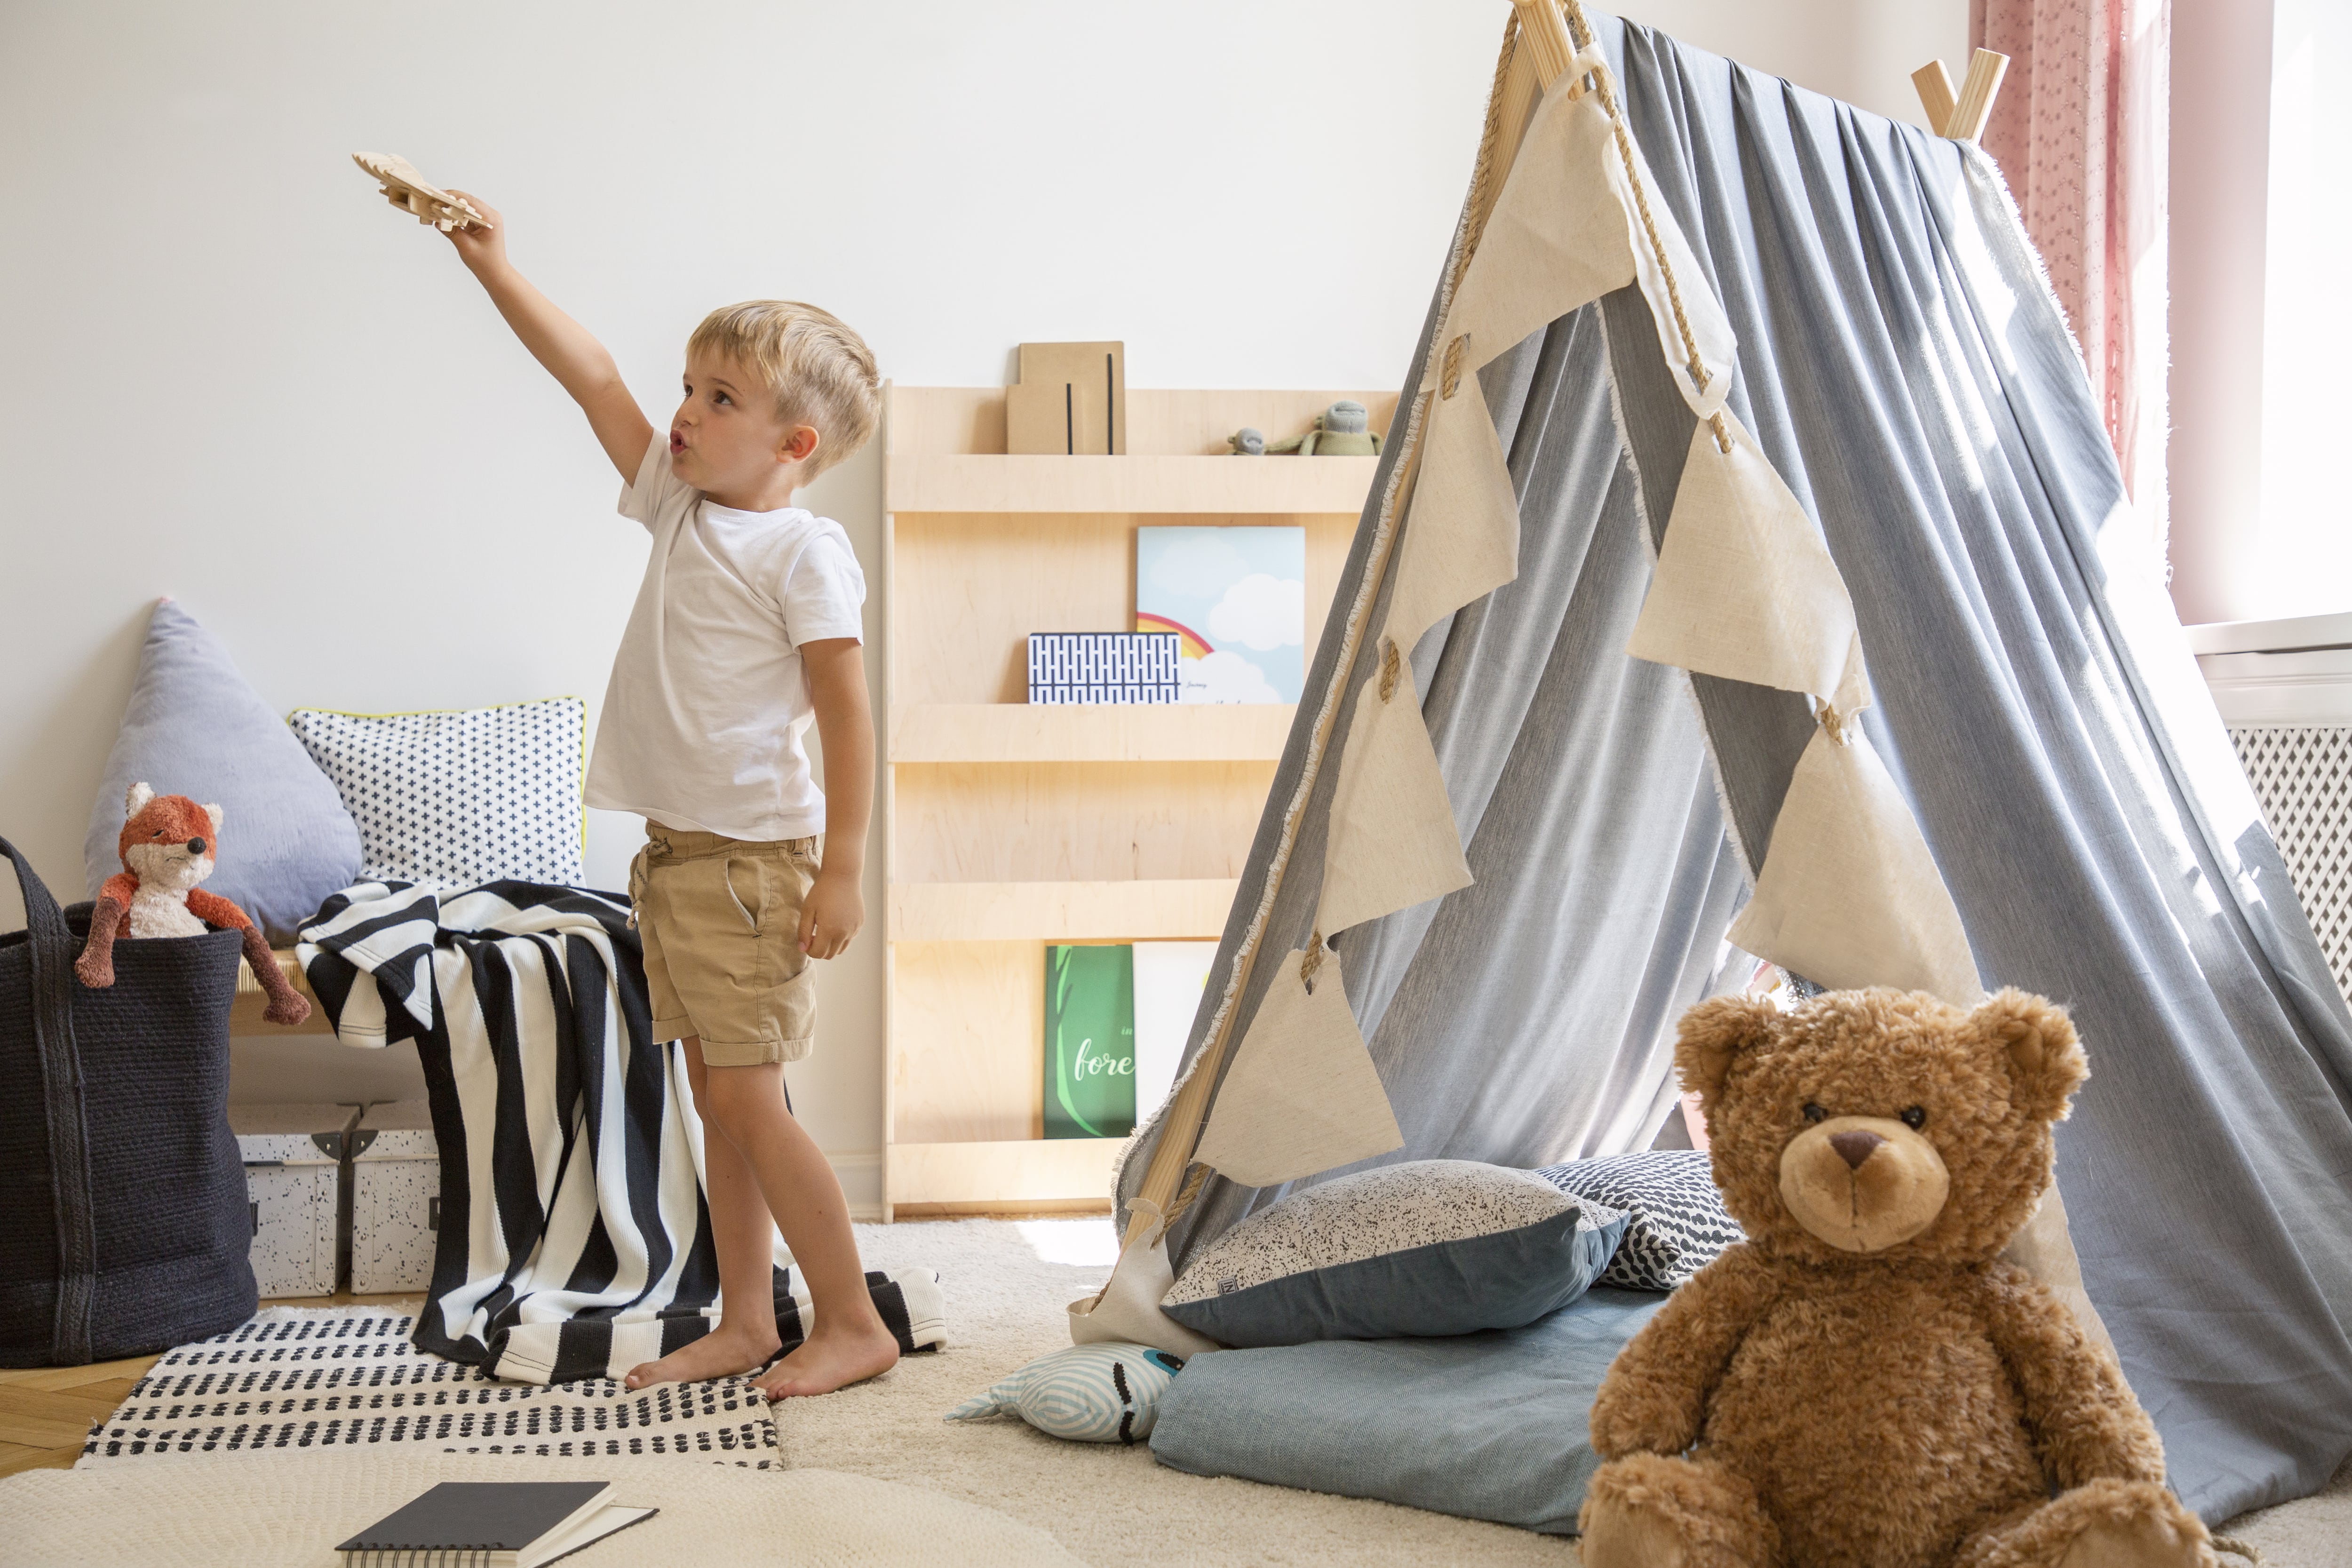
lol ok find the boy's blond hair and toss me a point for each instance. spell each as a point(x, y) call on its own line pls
point(820, 373)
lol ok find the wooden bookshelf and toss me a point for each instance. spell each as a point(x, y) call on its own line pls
point(1018, 732)
point(1007, 826)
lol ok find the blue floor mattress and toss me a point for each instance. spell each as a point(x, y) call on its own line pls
point(1489, 1425)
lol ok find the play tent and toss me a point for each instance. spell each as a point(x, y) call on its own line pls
point(1748, 566)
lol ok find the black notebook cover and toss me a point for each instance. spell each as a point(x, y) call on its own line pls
point(477, 1516)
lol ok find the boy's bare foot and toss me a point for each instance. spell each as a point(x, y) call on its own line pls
point(825, 1361)
point(724, 1351)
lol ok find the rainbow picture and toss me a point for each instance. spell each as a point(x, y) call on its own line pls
point(1190, 644)
point(1236, 599)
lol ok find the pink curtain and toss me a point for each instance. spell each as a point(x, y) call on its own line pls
point(2081, 133)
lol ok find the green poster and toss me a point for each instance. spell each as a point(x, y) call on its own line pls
point(1089, 1041)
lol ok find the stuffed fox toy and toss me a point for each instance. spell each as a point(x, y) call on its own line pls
point(168, 845)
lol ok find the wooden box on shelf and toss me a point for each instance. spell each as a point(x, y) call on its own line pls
point(1006, 825)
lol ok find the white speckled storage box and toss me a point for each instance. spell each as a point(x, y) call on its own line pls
point(293, 1170)
point(395, 1197)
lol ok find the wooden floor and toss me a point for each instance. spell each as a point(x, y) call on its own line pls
point(47, 1412)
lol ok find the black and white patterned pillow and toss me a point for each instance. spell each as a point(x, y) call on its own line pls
point(459, 798)
point(1679, 1223)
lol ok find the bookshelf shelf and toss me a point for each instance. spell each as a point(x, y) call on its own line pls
point(1227, 485)
point(1060, 911)
point(1023, 733)
point(1012, 1172)
point(1007, 826)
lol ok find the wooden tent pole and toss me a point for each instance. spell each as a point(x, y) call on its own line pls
point(1961, 116)
point(1544, 31)
point(1976, 93)
point(1935, 94)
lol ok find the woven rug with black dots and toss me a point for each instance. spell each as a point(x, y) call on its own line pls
point(313, 1380)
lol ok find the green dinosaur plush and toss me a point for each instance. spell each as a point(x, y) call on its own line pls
point(1343, 430)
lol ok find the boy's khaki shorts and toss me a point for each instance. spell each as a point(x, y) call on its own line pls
point(720, 919)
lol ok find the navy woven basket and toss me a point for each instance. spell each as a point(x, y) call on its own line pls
point(123, 1221)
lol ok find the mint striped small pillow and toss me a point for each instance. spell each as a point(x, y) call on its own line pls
point(1102, 1392)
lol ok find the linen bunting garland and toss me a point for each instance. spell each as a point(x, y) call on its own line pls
point(1745, 588)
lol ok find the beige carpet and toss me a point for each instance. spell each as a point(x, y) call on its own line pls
point(290, 1513)
point(1006, 1283)
point(2313, 1532)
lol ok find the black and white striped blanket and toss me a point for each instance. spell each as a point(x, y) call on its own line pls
point(568, 1137)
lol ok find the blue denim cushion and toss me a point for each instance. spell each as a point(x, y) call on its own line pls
point(1490, 1426)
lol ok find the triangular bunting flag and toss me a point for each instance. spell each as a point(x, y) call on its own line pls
point(1555, 239)
point(1302, 1096)
point(1461, 537)
point(1745, 588)
point(1848, 895)
point(1393, 841)
point(1718, 346)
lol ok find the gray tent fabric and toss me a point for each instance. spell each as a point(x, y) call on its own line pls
point(1905, 368)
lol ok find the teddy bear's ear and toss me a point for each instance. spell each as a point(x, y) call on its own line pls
point(135, 799)
point(1712, 1034)
point(213, 811)
point(2037, 1044)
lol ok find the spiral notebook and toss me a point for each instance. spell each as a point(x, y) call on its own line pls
point(492, 1524)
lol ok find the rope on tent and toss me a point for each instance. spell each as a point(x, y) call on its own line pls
point(1180, 1128)
point(1580, 33)
point(1312, 964)
point(1191, 1189)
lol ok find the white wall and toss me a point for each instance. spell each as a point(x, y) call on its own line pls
point(2220, 151)
point(228, 373)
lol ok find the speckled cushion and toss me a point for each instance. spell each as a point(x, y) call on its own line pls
point(1431, 1248)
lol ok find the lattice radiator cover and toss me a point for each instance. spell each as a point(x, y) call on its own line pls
point(2302, 775)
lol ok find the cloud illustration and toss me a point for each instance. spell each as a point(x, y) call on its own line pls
point(1198, 564)
point(1223, 676)
point(1261, 612)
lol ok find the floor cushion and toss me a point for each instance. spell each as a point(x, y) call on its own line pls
point(1430, 1247)
point(1487, 1425)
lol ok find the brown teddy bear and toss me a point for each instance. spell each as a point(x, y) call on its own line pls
point(1863, 1383)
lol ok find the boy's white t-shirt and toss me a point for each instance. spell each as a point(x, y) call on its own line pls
point(702, 723)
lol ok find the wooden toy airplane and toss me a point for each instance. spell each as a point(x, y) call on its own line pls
point(406, 189)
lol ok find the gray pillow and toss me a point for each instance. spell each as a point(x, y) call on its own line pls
point(193, 727)
point(1430, 1247)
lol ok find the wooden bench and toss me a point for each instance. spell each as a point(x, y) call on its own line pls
point(244, 1014)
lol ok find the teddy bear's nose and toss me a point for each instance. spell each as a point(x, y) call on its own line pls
point(196, 846)
point(1854, 1145)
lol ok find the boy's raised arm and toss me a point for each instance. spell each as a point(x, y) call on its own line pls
point(579, 362)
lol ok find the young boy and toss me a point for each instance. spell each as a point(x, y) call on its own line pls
point(747, 627)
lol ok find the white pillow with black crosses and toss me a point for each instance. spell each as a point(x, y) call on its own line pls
point(1679, 1223)
point(458, 798)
